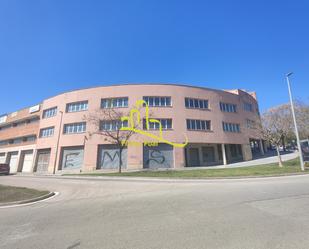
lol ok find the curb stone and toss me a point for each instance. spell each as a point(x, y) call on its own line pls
point(42, 197)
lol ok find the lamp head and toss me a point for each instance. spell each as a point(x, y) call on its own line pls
point(289, 74)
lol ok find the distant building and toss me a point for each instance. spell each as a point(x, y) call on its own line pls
point(220, 126)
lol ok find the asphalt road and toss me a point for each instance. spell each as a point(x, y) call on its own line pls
point(244, 214)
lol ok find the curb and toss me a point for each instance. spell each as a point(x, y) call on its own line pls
point(40, 198)
point(169, 179)
point(150, 178)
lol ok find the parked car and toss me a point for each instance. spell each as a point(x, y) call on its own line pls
point(4, 168)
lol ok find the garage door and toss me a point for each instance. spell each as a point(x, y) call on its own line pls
point(43, 161)
point(13, 161)
point(27, 161)
point(109, 157)
point(72, 158)
point(160, 156)
point(2, 157)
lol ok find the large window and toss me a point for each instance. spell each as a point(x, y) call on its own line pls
point(77, 106)
point(114, 102)
point(248, 107)
point(157, 101)
point(47, 132)
point(74, 128)
point(112, 125)
point(196, 124)
point(196, 103)
point(226, 107)
point(50, 112)
point(231, 127)
point(166, 123)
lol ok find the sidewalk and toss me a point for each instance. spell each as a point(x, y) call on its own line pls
point(254, 162)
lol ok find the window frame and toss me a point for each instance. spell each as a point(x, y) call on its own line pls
point(158, 101)
point(74, 128)
point(74, 105)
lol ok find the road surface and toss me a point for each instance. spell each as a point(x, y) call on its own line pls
point(167, 214)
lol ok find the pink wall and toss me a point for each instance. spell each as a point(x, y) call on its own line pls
point(177, 112)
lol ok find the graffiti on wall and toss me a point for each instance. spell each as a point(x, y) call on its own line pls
point(135, 123)
point(110, 157)
point(158, 157)
point(72, 158)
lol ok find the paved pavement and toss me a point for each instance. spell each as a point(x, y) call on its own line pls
point(270, 157)
point(166, 214)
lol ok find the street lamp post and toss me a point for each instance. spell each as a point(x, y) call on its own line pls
point(295, 124)
point(58, 139)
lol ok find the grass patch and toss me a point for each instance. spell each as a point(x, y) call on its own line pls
point(290, 167)
point(12, 194)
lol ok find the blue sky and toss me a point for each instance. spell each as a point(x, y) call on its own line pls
point(51, 46)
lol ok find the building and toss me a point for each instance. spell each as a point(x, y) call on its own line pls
point(53, 136)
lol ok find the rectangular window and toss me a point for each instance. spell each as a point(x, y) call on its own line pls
point(77, 106)
point(112, 125)
point(47, 132)
point(74, 128)
point(248, 107)
point(196, 103)
point(114, 102)
point(155, 101)
point(230, 127)
point(250, 124)
point(51, 112)
point(4, 142)
point(166, 123)
point(30, 138)
point(225, 107)
point(196, 124)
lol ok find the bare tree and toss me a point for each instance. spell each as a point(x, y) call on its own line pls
point(302, 116)
point(107, 123)
point(275, 126)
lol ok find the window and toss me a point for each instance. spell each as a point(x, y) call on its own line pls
point(157, 101)
point(196, 124)
point(248, 107)
point(166, 123)
point(32, 120)
point(230, 127)
point(114, 102)
point(5, 127)
point(17, 140)
point(112, 125)
point(77, 106)
point(225, 107)
point(196, 103)
point(50, 112)
point(4, 142)
point(47, 132)
point(29, 138)
point(250, 124)
point(74, 128)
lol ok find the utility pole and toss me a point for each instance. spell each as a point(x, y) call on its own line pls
point(295, 124)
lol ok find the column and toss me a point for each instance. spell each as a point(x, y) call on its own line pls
point(135, 155)
point(246, 152)
point(179, 157)
point(261, 147)
point(223, 154)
